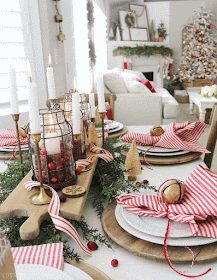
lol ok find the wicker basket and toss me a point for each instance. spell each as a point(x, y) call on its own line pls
point(198, 83)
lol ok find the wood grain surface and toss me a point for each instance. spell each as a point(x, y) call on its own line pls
point(157, 160)
point(150, 250)
point(18, 204)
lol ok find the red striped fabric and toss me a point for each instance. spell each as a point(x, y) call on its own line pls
point(46, 254)
point(8, 137)
point(59, 222)
point(198, 207)
point(182, 136)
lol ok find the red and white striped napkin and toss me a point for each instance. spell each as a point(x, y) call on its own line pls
point(198, 207)
point(181, 136)
point(46, 254)
point(8, 137)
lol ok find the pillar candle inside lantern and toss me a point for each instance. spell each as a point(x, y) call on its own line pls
point(52, 143)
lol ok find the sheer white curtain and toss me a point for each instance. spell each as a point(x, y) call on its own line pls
point(100, 38)
point(81, 45)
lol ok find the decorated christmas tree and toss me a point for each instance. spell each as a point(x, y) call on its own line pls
point(199, 48)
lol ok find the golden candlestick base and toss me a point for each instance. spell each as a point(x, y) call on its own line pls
point(41, 198)
point(16, 119)
point(102, 117)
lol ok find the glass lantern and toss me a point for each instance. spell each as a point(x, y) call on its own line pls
point(56, 150)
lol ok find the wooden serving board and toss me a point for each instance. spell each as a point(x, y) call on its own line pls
point(150, 250)
point(168, 160)
point(18, 204)
point(92, 271)
point(118, 133)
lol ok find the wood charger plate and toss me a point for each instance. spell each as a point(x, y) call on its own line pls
point(150, 250)
point(117, 134)
point(92, 271)
point(167, 160)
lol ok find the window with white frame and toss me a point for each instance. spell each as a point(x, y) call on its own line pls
point(20, 39)
point(12, 51)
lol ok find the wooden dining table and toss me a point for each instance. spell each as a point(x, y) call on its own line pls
point(132, 267)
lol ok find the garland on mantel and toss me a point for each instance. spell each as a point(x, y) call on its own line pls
point(108, 182)
point(143, 51)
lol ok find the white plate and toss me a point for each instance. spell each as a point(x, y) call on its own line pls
point(164, 154)
point(120, 126)
point(111, 124)
point(13, 148)
point(39, 272)
point(155, 226)
point(179, 242)
point(157, 149)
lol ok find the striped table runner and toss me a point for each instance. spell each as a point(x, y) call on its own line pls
point(46, 254)
point(182, 136)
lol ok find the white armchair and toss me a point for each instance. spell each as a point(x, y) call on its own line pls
point(139, 107)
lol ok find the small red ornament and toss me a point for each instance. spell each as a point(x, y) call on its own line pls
point(197, 30)
point(145, 181)
point(54, 180)
point(209, 26)
point(52, 165)
point(92, 245)
point(114, 262)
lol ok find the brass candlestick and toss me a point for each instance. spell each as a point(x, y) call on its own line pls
point(102, 117)
point(77, 147)
point(16, 119)
point(41, 198)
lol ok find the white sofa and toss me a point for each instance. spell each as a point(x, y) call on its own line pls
point(142, 107)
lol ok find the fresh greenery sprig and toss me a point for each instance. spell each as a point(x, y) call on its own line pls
point(109, 180)
point(143, 51)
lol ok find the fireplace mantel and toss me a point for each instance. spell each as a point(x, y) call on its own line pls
point(152, 63)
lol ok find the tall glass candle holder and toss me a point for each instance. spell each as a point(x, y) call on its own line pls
point(56, 150)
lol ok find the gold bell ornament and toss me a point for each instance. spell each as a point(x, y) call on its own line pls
point(156, 131)
point(172, 191)
point(61, 36)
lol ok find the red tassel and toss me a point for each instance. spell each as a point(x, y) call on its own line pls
point(169, 261)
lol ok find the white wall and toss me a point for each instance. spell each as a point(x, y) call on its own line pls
point(50, 44)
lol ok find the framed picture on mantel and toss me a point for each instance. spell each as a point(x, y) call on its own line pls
point(140, 14)
point(139, 34)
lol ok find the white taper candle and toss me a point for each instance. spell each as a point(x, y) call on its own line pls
point(100, 93)
point(92, 104)
point(50, 81)
point(34, 118)
point(13, 91)
point(76, 115)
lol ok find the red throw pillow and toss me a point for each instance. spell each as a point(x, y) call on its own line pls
point(109, 114)
point(148, 84)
